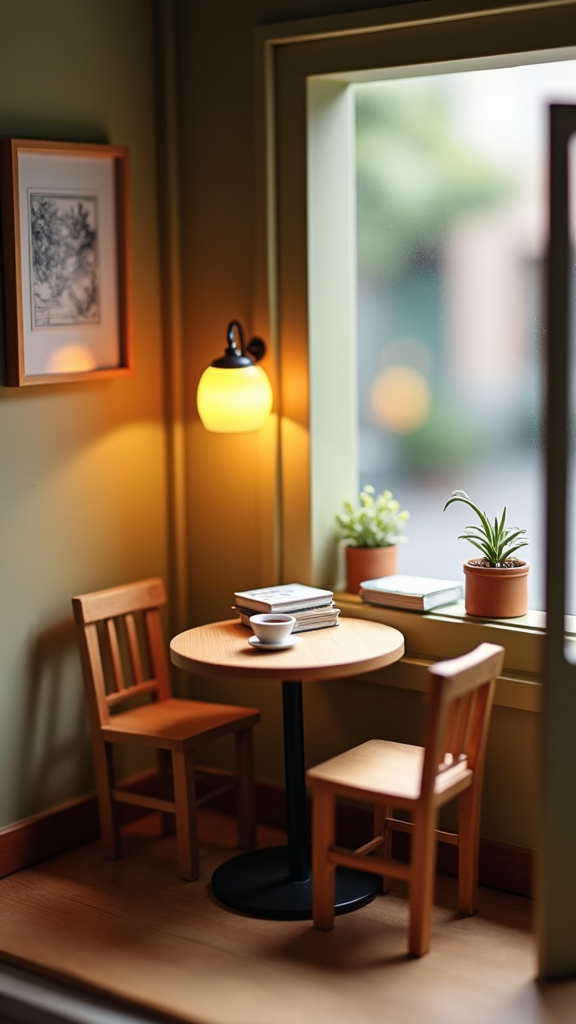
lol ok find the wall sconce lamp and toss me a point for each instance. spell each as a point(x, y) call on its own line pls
point(234, 395)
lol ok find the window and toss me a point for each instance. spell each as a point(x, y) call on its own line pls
point(451, 173)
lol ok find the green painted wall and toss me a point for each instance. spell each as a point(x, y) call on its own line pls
point(82, 467)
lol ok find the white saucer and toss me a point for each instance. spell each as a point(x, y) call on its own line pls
point(290, 642)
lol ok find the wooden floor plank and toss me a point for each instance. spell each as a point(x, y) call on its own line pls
point(133, 929)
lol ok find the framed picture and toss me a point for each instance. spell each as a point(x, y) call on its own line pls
point(66, 262)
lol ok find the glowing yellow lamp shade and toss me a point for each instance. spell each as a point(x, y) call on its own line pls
point(234, 400)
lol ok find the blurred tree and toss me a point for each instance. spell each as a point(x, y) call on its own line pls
point(414, 177)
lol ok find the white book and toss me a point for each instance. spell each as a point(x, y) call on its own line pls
point(415, 593)
point(287, 598)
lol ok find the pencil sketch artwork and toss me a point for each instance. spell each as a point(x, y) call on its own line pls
point(65, 273)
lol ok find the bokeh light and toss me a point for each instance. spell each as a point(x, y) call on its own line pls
point(400, 399)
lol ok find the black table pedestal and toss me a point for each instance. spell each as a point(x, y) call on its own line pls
point(258, 883)
point(275, 882)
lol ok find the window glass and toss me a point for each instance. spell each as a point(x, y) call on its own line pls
point(452, 226)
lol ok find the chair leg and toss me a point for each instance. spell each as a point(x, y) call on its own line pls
point(422, 873)
point(246, 804)
point(384, 852)
point(104, 767)
point(164, 773)
point(468, 842)
point(185, 800)
point(323, 873)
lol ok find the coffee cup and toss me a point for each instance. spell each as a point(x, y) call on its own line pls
point(272, 628)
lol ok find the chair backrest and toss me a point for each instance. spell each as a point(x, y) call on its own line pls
point(461, 697)
point(122, 645)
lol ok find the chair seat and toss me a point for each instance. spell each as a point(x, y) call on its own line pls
point(176, 724)
point(381, 769)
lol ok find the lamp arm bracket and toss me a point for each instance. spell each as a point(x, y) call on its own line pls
point(256, 347)
point(235, 358)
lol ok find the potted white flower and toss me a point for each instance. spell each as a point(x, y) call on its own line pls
point(496, 585)
point(371, 531)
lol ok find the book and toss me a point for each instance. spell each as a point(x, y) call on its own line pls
point(288, 598)
point(414, 593)
point(310, 618)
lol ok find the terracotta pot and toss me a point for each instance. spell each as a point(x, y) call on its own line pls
point(496, 593)
point(368, 564)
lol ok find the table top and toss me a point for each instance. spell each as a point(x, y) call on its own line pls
point(352, 647)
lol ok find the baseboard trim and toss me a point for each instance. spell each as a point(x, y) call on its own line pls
point(61, 828)
point(501, 865)
point(47, 834)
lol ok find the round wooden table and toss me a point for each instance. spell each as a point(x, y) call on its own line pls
point(274, 882)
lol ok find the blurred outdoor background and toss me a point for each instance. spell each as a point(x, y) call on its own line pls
point(452, 232)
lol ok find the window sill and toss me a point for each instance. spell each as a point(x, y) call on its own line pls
point(448, 632)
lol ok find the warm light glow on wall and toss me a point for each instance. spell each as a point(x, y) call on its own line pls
point(234, 395)
point(71, 359)
point(234, 401)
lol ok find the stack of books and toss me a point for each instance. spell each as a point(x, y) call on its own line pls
point(311, 607)
point(414, 593)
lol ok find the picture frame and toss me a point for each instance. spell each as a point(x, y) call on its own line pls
point(65, 232)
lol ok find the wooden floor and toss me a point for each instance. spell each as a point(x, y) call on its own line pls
point(132, 929)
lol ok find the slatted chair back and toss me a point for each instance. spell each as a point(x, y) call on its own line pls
point(121, 660)
point(461, 697)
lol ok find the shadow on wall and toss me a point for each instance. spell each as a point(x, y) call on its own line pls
point(56, 761)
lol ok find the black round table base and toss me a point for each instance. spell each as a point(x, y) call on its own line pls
point(257, 883)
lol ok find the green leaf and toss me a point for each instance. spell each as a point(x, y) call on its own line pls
point(459, 496)
point(510, 551)
point(481, 545)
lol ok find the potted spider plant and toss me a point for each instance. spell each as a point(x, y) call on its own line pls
point(371, 532)
point(496, 585)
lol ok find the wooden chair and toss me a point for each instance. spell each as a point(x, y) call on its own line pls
point(419, 780)
point(123, 656)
